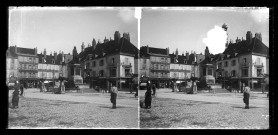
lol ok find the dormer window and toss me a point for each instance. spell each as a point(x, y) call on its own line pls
point(53, 61)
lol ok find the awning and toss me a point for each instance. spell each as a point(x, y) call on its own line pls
point(143, 84)
point(122, 81)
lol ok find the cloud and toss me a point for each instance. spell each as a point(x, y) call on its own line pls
point(260, 15)
point(216, 40)
point(127, 15)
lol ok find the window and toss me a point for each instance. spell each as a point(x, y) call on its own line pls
point(244, 60)
point(162, 60)
point(220, 65)
point(233, 73)
point(259, 72)
point(245, 72)
point(94, 63)
point(226, 73)
point(161, 67)
point(209, 71)
point(30, 59)
point(113, 72)
point(127, 72)
point(126, 61)
point(88, 65)
point(113, 60)
point(144, 61)
point(233, 62)
point(101, 73)
point(226, 63)
point(258, 60)
point(77, 71)
point(101, 63)
point(94, 73)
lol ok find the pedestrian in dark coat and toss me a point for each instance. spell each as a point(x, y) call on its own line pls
point(113, 98)
point(15, 96)
point(246, 95)
point(154, 89)
point(148, 96)
point(21, 90)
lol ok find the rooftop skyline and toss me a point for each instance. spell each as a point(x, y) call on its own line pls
point(192, 29)
point(185, 29)
point(63, 28)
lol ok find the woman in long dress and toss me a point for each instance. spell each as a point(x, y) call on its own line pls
point(15, 96)
point(113, 98)
point(246, 95)
point(148, 96)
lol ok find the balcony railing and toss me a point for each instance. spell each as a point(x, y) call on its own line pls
point(258, 64)
point(245, 64)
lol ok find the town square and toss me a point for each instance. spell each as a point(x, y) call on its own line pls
point(138, 68)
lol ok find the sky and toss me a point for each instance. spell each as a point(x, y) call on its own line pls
point(60, 29)
point(186, 29)
point(192, 29)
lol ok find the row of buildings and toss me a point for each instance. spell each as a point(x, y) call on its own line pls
point(118, 61)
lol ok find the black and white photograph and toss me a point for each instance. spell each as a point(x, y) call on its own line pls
point(204, 68)
point(138, 68)
point(72, 68)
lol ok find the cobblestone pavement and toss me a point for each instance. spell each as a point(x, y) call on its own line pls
point(205, 110)
point(74, 110)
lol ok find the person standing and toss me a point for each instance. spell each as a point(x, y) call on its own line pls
point(15, 96)
point(148, 96)
point(246, 95)
point(136, 88)
point(154, 89)
point(113, 98)
point(21, 89)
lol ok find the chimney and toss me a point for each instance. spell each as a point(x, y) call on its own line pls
point(242, 39)
point(82, 47)
point(148, 49)
point(117, 36)
point(249, 36)
point(55, 55)
point(50, 53)
point(63, 57)
point(35, 51)
point(94, 44)
point(258, 36)
point(110, 39)
point(44, 53)
point(168, 51)
point(187, 55)
point(177, 53)
point(15, 49)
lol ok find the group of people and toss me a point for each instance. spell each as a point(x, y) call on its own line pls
point(16, 94)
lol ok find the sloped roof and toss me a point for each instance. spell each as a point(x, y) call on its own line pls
point(25, 51)
point(110, 47)
point(182, 59)
point(245, 47)
point(143, 51)
point(49, 59)
point(11, 52)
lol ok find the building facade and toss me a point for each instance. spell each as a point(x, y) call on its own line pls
point(110, 62)
point(244, 62)
point(158, 61)
point(11, 65)
point(27, 66)
point(51, 67)
point(183, 67)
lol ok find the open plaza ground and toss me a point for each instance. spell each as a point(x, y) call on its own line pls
point(205, 110)
point(74, 110)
